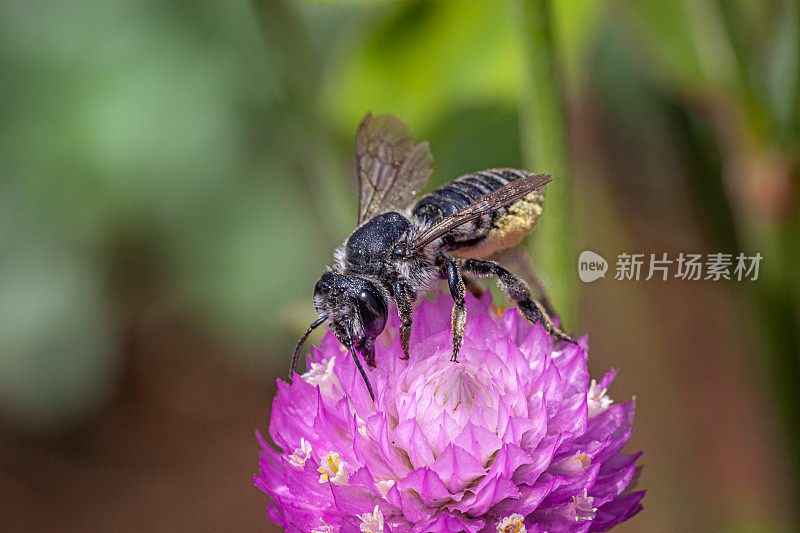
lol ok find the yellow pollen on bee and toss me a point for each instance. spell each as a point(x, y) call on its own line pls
point(509, 229)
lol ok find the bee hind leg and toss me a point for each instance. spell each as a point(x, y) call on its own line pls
point(522, 259)
point(516, 289)
point(452, 272)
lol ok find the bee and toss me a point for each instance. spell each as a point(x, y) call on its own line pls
point(398, 251)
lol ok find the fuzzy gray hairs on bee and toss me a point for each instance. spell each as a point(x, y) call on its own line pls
point(399, 251)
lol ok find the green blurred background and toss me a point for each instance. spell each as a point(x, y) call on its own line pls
point(174, 176)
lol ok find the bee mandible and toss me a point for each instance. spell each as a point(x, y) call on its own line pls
point(398, 252)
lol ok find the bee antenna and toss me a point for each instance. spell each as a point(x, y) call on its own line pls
point(300, 343)
point(358, 365)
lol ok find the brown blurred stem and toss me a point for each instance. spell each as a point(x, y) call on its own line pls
point(755, 165)
point(545, 149)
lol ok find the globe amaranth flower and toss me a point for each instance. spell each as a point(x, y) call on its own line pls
point(512, 438)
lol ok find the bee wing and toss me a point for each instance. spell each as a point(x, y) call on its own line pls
point(487, 203)
point(391, 169)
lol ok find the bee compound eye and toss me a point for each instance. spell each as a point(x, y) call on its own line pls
point(372, 310)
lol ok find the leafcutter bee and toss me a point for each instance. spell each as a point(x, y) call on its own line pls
point(399, 251)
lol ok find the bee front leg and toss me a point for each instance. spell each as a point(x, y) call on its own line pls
point(452, 272)
point(406, 312)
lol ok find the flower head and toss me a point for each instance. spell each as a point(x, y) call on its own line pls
point(512, 438)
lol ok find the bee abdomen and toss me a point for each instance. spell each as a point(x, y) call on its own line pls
point(494, 231)
point(461, 192)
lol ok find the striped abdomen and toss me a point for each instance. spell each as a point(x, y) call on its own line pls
point(494, 231)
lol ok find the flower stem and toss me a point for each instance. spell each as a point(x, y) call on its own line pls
point(545, 149)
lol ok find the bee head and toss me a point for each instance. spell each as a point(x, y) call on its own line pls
point(356, 309)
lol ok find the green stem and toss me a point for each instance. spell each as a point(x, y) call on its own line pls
point(289, 50)
point(777, 309)
point(305, 136)
point(544, 149)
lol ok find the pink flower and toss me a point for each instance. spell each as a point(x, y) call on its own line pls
point(512, 438)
